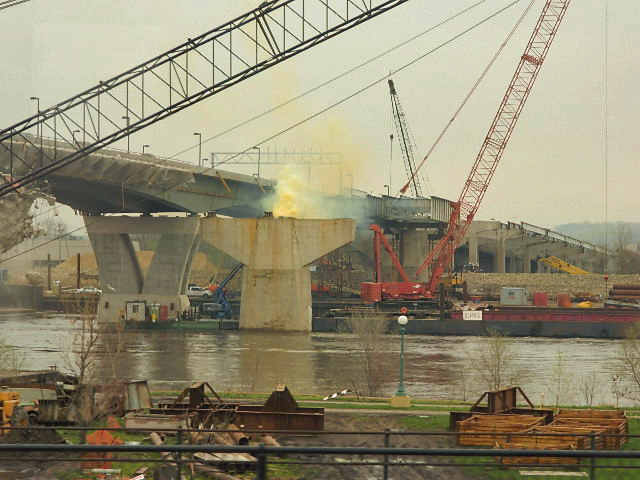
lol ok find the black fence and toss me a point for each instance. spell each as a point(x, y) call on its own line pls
point(385, 458)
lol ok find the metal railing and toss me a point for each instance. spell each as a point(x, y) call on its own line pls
point(386, 457)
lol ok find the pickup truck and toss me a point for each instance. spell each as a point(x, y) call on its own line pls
point(194, 291)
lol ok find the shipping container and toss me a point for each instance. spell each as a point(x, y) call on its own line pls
point(513, 296)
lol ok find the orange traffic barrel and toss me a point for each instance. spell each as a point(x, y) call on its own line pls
point(564, 300)
point(540, 299)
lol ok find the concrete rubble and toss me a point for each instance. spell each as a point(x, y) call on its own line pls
point(551, 283)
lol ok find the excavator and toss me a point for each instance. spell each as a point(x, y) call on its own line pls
point(475, 187)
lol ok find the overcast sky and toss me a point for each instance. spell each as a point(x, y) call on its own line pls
point(552, 171)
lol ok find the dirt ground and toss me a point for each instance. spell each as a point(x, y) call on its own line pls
point(40, 467)
point(374, 423)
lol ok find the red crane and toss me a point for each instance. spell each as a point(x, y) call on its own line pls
point(493, 146)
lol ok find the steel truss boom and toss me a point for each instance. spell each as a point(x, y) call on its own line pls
point(496, 140)
point(174, 80)
point(406, 142)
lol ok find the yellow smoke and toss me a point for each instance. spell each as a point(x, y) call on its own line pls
point(293, 196)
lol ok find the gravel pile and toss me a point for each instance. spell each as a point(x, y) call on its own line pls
point(551, 283)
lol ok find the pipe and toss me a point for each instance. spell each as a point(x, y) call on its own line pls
point(239, 437)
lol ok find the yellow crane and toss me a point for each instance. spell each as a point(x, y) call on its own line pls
point(559, 264)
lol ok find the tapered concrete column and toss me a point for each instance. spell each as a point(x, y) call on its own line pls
point(473, 249)
point(500, 254)
point(414, 248)
point(121, 277)
point(526, 260)
point(276, 252)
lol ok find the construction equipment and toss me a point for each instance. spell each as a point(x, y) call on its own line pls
point(405, 139)
point(493, 146)
point(12, 415)
point(219, 292)
point(560, 265)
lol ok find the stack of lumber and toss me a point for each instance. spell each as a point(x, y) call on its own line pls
point(629, 292)
point(499, 425)
point(611, 422)
point(564, 438)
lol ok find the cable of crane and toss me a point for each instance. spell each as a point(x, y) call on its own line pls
point(11, 3)
point(320, 85)
point(291, 127)
point(467, 97)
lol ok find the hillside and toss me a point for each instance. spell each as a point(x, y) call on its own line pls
point(595, 232)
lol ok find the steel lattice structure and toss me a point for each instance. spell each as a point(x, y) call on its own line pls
point(407, 146)
point(197, 69)
point(496, 140)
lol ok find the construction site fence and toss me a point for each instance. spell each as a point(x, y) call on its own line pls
point(385, 456)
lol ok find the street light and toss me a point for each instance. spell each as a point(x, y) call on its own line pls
point(388, 194)
point(258, 148)
point(143, 147)
point(199, 147)
point(37, 99)
point(73, 134)
point(125, 117)
point(400, 399)
point(38, 127)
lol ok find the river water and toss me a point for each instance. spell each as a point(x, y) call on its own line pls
point(322, 363)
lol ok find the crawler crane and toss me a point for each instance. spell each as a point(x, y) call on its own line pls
point(477, 183)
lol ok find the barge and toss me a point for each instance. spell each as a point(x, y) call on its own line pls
point(513, 321)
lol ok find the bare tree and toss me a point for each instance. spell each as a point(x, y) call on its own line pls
point(618, 388)
point(80, 354)
point(11, 360)
point(369, 343)
point(627, 260)
point(558, 383)
point(494, 361)
point(587, 386)
point(627, 365)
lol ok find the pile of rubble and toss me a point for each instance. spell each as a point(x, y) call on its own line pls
point(551, 283)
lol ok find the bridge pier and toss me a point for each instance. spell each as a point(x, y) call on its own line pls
point(414, 248)
point(276, 252)
point(122, 279)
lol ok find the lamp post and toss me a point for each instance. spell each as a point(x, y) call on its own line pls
point(259, 152)
point(199, 135)
point(400, 399)
point(125, 117)
point(143, 148)
point(38, 126)
point(73, 134)
point(37, 100)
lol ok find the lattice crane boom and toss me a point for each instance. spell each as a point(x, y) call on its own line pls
point(496, 140)
point(176, 79)
point(405, 140)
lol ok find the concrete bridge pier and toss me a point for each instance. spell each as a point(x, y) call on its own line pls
point(122, 279)
point(276, 252)
point(414, 249)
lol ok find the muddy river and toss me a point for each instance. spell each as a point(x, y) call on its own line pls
point(435, 367)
